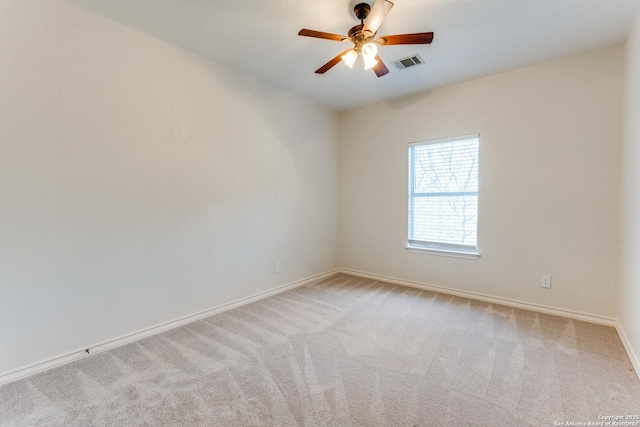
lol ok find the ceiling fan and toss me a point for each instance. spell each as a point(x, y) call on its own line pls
point(362, 37)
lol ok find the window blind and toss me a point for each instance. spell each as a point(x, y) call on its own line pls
point(443, 193)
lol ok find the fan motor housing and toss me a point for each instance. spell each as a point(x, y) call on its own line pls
point(356, 32)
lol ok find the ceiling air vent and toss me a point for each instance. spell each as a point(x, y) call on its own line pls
point(411, 61)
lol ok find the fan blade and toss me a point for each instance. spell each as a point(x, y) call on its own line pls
point(380, 69)
point(329, 65)
point(323, 35)
point(415, 38)
point(379, 11)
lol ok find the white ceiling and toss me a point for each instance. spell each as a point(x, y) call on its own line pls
point(473, 38)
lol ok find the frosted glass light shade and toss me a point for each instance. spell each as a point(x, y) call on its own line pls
point(349, 58)
point(369, 62)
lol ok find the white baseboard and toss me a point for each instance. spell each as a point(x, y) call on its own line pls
point(602, 320)
point(135, 336)
point(635, 361)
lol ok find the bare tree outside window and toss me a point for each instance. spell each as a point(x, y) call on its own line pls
point(443, 193)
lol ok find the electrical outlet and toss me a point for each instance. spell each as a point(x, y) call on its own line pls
point(545, 281)
point(312, 259)
point(277, 267)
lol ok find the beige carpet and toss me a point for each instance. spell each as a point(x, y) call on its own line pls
point(345, 351)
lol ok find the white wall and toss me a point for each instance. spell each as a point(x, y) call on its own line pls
point(629, 314)
point(549, 176)
point(140, 183)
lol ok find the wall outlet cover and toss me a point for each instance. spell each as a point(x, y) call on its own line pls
point(545, 281)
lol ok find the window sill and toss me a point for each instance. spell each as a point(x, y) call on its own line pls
point(442, 252)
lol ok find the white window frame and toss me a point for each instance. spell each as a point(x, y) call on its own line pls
point(437, 248)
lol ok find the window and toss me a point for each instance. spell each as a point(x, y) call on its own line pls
point(443, 196)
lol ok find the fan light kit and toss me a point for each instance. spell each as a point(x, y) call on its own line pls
point(362, 37)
